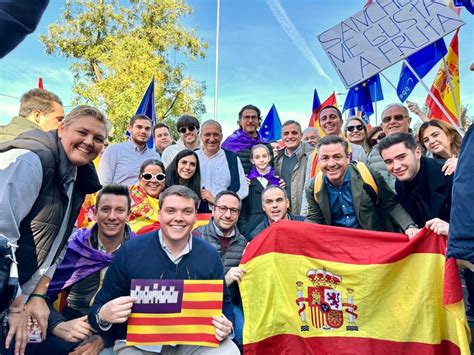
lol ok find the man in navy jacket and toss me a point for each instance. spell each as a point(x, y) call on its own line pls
point(170, 253)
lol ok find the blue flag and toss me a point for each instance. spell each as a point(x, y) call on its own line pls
point(422, 62)
point(364, 93)
point(147, 107)
point(468, 4)
point(271, 126)
point(316, 101)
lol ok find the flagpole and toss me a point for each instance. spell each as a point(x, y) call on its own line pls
point(217, 59)
point(452, 89)
point(461, 132)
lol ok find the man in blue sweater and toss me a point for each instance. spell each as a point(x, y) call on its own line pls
point(170, 253)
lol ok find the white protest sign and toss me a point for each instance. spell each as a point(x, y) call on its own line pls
point(384, 33)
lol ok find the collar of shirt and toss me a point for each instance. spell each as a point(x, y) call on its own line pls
point(186, 250)
point(102, 248)
point(219, 232)
point(295, 152)
point(136, 147)
point(220, 151)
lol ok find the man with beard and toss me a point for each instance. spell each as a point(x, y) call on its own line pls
point(120, 162)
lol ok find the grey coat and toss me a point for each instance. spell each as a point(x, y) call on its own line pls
point(231, 257)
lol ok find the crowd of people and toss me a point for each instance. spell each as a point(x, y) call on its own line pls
point(146, 204)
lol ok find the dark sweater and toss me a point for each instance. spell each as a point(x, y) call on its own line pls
point(144, 258)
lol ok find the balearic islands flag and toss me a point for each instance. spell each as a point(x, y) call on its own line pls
point(174, 312)
point(319, 289)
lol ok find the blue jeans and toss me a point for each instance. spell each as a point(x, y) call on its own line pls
point(239, 323)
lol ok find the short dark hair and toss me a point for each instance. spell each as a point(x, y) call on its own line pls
point(339, 113)
point(290, 122)
point(151, 162)
point(114, 189)
point(227, 193)
point(138, 117)
point(179, 190)
point(186, 121)
point(333, 139)
point(250, 107)
point(160, 125)
point(271, 187)
point(172, 176)
point(407, 139)
point(38, 99)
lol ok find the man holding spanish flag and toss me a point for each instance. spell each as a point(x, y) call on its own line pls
point(168, 254)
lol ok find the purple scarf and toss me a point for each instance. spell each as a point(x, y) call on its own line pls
point(80, 261)
point(239, 140)
point(271, 176)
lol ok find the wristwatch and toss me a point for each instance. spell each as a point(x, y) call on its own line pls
point(103, 325)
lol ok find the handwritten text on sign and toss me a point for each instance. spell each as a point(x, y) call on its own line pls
point(383, 34)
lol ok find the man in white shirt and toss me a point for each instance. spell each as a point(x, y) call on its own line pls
point(120, 162)
point(220, 169)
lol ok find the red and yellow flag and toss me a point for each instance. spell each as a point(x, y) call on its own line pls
point(441, 88)
point(174, 312)
point(317, 289)
point(313, 120)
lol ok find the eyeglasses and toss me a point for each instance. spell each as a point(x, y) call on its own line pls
point(398, 118)
point(250, 118)
point(224, 209)
point(183, 130)
point(374, 141)
point(359, 127)
point(149, 176)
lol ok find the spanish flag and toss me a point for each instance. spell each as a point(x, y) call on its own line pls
point(448, 96)
point(314, 289)
point(174, 312)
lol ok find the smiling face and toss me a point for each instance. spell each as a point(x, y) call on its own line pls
point(333, 162)
point(177, 217)
point(311, 137)
point(189, 135)
point(82, 139)
point(291, 135)
point(111, 215)
point(355, 132)
point(330, 122)
point(152, 187)
point(162, 138)
point(226, 221)
point(275, 204)
point(437, 142)
point(211, 137)
point(260, 158)
point(249, 122)
point(395, 120)
point(187, 167)
point(402, 162)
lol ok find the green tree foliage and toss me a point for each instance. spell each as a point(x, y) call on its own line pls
point(117, 49)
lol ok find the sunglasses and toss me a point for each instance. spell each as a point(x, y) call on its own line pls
point(374, 141)
point(359, 127)
point(149, 176)
point(398, 118)
point(183, 130)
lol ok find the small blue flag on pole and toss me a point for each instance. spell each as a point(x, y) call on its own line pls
point(422, 62)
point(271, 126)
point(364, 93)
point(147, 107)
